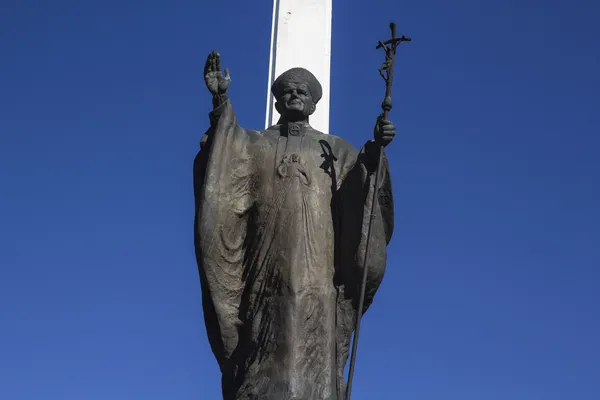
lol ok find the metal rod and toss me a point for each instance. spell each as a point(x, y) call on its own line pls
point(386, 107)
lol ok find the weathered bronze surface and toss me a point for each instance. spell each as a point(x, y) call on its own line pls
point(282, 220)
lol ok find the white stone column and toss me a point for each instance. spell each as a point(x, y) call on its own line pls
point(301, 37)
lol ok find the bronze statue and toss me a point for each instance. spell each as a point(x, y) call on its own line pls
point(282, 220)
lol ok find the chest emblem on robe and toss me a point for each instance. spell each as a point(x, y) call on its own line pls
point(293, 165)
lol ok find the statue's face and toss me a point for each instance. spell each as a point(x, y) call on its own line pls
point(296, 101)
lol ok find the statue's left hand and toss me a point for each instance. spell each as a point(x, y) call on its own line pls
point(384, 131)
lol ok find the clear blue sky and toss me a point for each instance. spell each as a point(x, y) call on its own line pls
point(493, 283)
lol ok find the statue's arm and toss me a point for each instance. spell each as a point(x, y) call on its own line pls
point(217, 84)
point(218, 100)
point(214, 116)
point(355, 209)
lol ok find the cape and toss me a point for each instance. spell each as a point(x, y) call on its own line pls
point(280, 231)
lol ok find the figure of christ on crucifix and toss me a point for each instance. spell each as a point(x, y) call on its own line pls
point(281, 225)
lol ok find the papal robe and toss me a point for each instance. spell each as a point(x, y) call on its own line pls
point(280, 232)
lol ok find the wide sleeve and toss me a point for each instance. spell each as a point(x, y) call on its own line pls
point(223, 180)
point(353, 210)
point(356, 208)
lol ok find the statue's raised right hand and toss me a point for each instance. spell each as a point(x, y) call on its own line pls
point(216, 82)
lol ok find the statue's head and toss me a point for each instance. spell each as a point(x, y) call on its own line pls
point(297, 92)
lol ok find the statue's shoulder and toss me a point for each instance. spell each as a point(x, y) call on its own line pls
point(270, 132)
point(336, 142)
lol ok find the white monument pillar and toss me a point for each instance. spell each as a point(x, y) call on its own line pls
point(301, 37)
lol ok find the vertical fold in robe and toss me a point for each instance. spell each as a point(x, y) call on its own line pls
point(354, 209)
point(223, 180)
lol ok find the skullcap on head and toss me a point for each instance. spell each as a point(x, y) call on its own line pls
point(298, 75)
